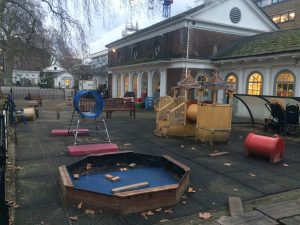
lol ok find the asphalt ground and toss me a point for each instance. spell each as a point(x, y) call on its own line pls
point(38, 156)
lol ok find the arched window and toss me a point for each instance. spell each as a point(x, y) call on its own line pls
point(285, 84)
point(134, 83)
point(255, 83)
point(119, 86)
point(156, 85)
point(126, 83)
point(231, 79)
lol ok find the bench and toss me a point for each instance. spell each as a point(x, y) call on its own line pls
point(119, 104)
point(34, 101)
point(110, 105)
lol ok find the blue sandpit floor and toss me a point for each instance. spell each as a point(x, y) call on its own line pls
point(97, 182)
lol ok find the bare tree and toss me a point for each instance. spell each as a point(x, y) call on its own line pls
point(26, 21)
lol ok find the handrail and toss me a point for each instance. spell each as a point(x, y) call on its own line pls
point(162, 112)
point(178, 111)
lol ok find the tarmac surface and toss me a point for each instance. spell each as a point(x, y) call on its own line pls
point(255, 180)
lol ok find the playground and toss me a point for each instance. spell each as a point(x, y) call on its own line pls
point(38, 155)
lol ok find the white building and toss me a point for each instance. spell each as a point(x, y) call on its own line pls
point(151, 61)
point(26, 78)
point(57, 77)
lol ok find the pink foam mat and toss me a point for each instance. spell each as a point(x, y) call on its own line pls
point(77, 150)
point(66, 132)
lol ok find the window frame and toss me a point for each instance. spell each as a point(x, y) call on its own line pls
point(286, 83)
point(248, 82)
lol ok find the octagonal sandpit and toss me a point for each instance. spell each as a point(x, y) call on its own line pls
point(143, 182)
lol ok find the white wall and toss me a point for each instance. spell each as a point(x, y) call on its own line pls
point(61, 80)
point(33, 76)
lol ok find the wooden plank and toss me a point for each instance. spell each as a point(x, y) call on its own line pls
point(295, 220)
point(169, 187)
point(280, 210)
point(176, 162)
point(248, 218)
point(218, 154)
point(235, 206)
point(129, 187)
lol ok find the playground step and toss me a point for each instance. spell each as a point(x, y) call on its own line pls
point(66, 132)
point(77, 150)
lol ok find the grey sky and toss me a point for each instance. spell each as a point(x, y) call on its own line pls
point(124, 15)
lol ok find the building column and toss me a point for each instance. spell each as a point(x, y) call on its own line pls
point(163, 83)
point(114, 85)
point(221, 93)
point(297, 82)
point(242, 83)
point(130, 75)
point(139, 85)
point(122, 85)
point(267, 82)
point(150, 76)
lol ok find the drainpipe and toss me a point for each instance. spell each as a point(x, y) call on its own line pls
point(187, 47)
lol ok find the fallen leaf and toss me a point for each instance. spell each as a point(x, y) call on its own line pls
point(149, 213)
point(74, 218)
point(227, 164)
point(205, 215)
point(127, 144)
point(164, 220)
point(168, 211)
point(144, 215)
point(183, 196)
point(88, 166)
point(132, 165)
point(193, 148)
point(285, 165)
point(123, 169)
point(252, 174)
point(191, 190)
point(89, 212)
point(16, 206)
point(183, 203)
point(76, 176)
point(11, 203)
point(79, 206)
point(235, 189)
point(158, 210)
point(182, 146)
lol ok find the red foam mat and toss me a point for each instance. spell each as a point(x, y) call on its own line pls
point(77, 150)
point(66, 132)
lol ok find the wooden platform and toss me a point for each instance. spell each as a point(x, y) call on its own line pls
point(89, 149)
point(66, 132)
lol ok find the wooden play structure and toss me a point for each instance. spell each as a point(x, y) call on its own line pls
point(176, 116)
point(214, 119)
point(183, 116)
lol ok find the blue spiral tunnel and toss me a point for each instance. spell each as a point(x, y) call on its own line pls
point(98, 108)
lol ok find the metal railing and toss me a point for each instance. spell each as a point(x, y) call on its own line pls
point(4, 213)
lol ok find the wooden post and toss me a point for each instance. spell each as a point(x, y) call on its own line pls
point(200, 95)
point(230, 96)
point(57, 113)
